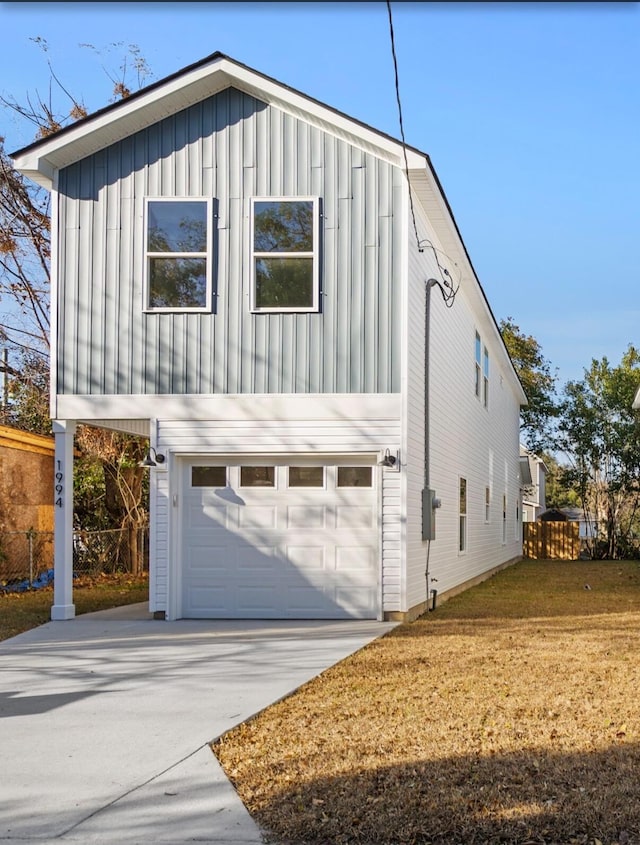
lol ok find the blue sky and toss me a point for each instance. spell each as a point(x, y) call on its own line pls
point(530, 113)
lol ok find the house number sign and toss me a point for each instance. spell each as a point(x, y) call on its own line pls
point(59, 488)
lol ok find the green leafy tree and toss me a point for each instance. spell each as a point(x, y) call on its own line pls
point(539, 384)
point(600, 434)
point(560, 487)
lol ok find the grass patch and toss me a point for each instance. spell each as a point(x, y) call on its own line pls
point(22, 611)
point(509, 715)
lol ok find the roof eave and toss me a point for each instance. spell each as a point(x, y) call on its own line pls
point(174, 93)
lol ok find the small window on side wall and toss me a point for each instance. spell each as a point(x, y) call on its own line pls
point(285, 255)
point(178, 254)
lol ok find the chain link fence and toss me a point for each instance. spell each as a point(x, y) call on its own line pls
point(27, 556)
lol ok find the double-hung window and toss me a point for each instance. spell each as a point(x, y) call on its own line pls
point(478, 365)
point(178, 241)
point(462, 537)
point(285, 254)
point(485, 377)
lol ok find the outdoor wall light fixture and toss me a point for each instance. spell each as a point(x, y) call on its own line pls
point(388, 460)
point(149, 461)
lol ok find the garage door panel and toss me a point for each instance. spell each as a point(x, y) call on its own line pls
point(206, 516)
point(209, 601)
point(257, 517)
point(356, 559)
point(257, 599)
point(306, 516)
point(306, 558)
point(207, 558)
point(351, 516)
point(358, 604)
point(308, 599)
point(249, 558)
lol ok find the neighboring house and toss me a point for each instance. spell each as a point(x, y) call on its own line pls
point(26, 498)
point(534, 487)
point(588, 523)
point(26, 480)
point(236, 275)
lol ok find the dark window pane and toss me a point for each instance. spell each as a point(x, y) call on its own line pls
point(257, 476)
point(354, 476)
point(208, 476)
point(284, 282)
point(177, 282)
point(177, 227)
point(306, 476)
point(463, 495)
point(283, 226)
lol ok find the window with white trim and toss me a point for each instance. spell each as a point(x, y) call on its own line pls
point(462, 537)
point(285, 254)
point(478, 365)
point(485, 376)
point(504, 518)
point(178, 238)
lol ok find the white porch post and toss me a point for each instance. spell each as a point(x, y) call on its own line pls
point(63, 607)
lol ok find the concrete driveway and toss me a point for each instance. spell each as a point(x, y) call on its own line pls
point(106, 719)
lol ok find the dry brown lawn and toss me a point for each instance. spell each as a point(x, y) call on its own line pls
point(508, 715)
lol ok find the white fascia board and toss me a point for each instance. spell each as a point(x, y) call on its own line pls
point(230, 406)
point(130, 116)
point(636, 401)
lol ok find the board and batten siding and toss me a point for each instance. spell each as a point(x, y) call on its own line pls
point(276, 436)
point(466, 439)
point(230, 147)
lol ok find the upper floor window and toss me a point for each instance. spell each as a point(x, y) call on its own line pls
point(178, 249)
point(478, 365)
point(285, 257)
point(485, 377)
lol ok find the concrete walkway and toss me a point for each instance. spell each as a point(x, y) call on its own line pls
point(106, 720)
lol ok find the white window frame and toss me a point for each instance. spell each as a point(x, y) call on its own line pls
point(208, 257)
point(478, 353)
point(485, 376)
point(463, 515)
point(504, 518)
point(314, 255)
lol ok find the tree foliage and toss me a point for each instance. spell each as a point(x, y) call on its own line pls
point(599, 432)
point(538, 382)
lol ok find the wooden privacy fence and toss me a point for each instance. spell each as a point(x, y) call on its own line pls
point(551, 540)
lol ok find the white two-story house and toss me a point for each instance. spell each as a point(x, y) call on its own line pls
point(278, 296)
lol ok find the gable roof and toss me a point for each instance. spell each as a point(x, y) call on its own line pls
point(182, 89)
point(217, 72)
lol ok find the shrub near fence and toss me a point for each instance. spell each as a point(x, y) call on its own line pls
point(26, 555)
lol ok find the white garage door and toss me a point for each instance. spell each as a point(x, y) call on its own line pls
point(296, 541)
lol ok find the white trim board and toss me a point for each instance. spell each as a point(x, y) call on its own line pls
point(231, 406)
